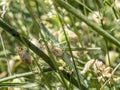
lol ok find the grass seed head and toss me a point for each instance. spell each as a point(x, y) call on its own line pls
point(24, 56)
point(57, 51)
point(72, 36)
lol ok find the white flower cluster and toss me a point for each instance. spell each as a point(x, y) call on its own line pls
point(99, 68)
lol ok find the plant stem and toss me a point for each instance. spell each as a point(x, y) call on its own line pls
point(8, 66)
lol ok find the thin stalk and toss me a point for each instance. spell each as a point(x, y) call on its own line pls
point(13, 85)
point(3, 46)
point(84, 5)
point(84, 9)
point(107, 52)
point(115, 13)
point(70, 52)
point(106, 43)
point(75, 29)
point(23, 75)
point(37, 7)
point(42, 72)
point(62, 80)
point(17, 76)
point(85, 13)
point(83, 49)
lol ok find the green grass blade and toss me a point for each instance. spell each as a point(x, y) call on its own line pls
point(19, 85)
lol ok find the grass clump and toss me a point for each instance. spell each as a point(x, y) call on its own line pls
point(59, 45)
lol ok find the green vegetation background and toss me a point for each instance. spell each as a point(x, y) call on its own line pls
point(66, 34)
